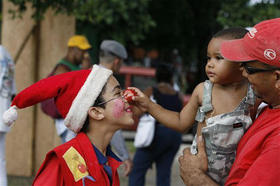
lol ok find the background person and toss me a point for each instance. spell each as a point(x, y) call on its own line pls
point(7, 91)
point(77, 51)
point(111, 56)
point(166, 142)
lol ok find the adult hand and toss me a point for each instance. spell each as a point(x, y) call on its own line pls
point(86, 63)
point(193, 166)
point(127, 166)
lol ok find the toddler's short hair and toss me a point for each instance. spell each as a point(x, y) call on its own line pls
point(231, 33)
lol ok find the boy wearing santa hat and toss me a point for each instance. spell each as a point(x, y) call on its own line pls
point(92, 104)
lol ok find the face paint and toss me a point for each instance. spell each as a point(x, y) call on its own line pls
point(118, 109)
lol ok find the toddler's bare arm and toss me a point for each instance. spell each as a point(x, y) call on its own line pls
point(178, 121)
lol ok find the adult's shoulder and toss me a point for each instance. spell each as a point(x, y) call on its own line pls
point(273, 137)
point(60, 68)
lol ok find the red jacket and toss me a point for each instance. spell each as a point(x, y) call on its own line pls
point(257, 159)
point(75, 164)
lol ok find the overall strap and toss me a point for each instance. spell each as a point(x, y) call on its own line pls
point(206, 101)
point(248, 101)
point(250, 98)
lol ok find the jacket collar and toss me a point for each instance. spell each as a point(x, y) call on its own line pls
point(91, 157)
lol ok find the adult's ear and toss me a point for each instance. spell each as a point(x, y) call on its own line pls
point(96, 113)
point(117, 65)
point(241, 66)
point(277, 79)
point(116, 61)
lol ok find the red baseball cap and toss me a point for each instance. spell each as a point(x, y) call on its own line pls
point(261, 43)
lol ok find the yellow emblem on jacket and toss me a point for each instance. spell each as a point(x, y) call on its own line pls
point(75, 163)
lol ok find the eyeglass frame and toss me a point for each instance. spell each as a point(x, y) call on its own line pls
point(252, 70)
point(104, 102)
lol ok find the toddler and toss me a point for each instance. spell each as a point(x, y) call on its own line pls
point(223, 107)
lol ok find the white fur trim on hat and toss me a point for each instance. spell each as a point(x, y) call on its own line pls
point(86, 97)
point(10, 115)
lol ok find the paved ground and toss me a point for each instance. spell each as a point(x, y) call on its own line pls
point(19, 181)
point(150, 178)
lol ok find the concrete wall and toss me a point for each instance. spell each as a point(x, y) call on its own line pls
point(34, 134)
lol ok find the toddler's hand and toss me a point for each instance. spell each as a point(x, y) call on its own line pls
point(128, 94)
point(137, 98)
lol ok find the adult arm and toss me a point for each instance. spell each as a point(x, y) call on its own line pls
point(12, 70)
point(193, 167)
point(6, 57)
point(128, 164)
point(86, 64)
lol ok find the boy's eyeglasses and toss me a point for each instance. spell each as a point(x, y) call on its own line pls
point(253, 70)
point(104, 102)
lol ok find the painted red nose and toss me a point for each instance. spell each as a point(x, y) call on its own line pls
point(129, 93)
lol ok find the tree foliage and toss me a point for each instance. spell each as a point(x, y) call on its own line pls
point(123, 19)
point(187, 26)
point(245, 13)
point(163, 24)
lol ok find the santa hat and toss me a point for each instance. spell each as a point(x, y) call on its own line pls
point(74, 92)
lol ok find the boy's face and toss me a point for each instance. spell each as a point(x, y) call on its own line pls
point(117, 111)
point(217, 68)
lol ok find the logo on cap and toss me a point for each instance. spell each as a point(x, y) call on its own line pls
point(269, 54)
point(252, 33)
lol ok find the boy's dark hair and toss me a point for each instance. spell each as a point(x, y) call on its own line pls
point(231, 33)
point(98, 100)
point(164, 73)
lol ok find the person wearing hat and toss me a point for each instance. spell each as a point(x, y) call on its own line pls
point(111, 56)
point(77, 52)
point(257, 159)
point(92, 104)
